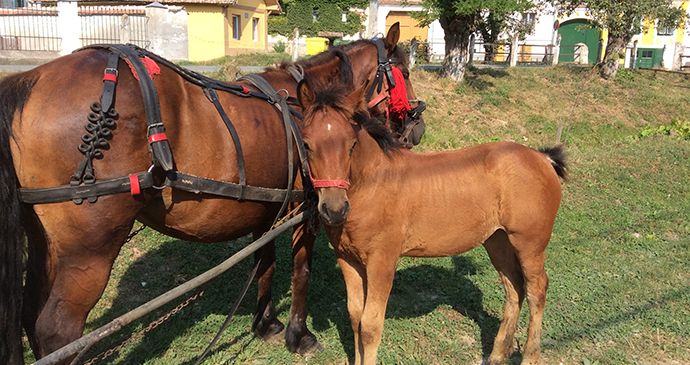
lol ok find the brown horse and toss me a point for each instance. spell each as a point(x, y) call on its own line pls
point(70, 248)
point(400, 203)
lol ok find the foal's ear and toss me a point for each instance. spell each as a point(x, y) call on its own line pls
point(305, 95)
point(356, 98)
point(392, 36)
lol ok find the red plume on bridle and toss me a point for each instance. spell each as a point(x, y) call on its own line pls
point(399, 104)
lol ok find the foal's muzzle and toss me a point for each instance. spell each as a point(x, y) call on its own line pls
point(334, 206)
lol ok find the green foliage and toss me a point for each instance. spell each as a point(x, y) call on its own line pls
point(625, 75)
point(678, 128)
point(300, 14)
point(279, 47)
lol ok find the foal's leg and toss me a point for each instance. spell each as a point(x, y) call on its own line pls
point(82, 244)
point(298, 338)
point(504, 259)
point(355, 282)
point(536, 283)
point(379, 281)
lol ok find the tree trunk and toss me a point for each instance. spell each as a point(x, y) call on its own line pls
point(614, 49)
point(457, 36)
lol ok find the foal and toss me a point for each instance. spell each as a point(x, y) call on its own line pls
point(504, 196)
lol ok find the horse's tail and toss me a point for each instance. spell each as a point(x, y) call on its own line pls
point(556, 157)
point(14, 91)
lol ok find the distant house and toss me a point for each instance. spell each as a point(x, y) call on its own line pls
point(225, 27)
point(214, 28)
point(387, 12)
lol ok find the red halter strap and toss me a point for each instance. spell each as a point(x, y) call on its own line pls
point(341, 184)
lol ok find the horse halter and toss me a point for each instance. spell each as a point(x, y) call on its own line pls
point(340, 184)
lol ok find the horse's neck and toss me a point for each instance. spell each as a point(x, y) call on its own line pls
point(370, 165)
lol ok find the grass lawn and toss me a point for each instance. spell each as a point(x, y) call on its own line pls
point(618, 261)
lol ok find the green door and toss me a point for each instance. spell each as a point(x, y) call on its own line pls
point(578, 31)
point(649, 57)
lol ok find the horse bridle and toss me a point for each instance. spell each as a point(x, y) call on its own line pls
point(384, 73)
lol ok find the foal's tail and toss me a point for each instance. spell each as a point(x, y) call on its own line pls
point(556, 156)
point(14, 91)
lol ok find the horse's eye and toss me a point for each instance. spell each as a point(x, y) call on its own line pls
point(306, 146)
point(406, 74)
point(353, 148)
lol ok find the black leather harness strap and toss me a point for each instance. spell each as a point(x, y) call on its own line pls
point(212, 95)
point(383, 70)
point(109, 82)
point(199, 185)
point(66, 193)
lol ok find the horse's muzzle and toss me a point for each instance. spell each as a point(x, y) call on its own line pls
point(334, 206)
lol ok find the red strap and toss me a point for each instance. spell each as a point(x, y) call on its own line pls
point(134, 184)
point(245, 90)
point(109, 77)
point(342, 184)
point(157, 137)
point(375, 101)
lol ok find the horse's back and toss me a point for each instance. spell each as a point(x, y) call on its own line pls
point(53, 119)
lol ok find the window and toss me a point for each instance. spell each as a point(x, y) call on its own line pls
point(255, 29)
point(529, 18)
point(664, 30)
point(647, 54)
point(236, 27)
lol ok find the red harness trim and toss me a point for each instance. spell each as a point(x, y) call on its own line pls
point(245, 90)
point(341, 184)
point(157, 137)
point(109, 77)
point(134, 184)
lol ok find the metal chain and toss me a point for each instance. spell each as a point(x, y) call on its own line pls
point(139, 334)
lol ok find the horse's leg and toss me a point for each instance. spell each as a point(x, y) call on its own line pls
point(536, 282)
point(355, 281)
point(504, 259)
point(82, 244)
point(379, 281)
point(265, 324)
point(298, 338)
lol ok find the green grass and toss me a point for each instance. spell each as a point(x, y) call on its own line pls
point(618, 262)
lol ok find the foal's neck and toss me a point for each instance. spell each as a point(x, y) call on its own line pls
point(371, 165)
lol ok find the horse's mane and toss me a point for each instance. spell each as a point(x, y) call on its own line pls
point(334, 98)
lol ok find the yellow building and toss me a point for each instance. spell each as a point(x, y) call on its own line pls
point(216, 28)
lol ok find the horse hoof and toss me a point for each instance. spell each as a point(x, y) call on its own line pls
point(315, 349)
point(268, 330)
point(276, 338)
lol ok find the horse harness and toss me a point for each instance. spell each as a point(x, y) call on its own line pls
point(384, 74)
point(83, 184)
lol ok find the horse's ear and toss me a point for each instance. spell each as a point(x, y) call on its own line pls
point(393, 36)
point(305, 95)
point(356, 98)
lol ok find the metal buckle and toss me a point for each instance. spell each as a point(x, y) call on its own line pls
point(116, 73)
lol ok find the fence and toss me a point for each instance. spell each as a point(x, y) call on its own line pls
point(29, 29)
point(115, 24)
point(36, 28)
point(500, 53)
